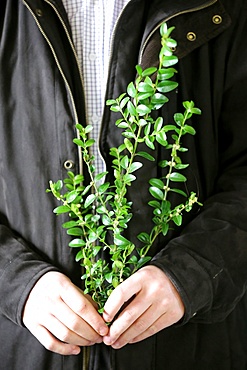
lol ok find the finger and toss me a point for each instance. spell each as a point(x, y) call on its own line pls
point(120, 295)
point(64, 334)
point(74, 323)
point(53, 344)
point(79, 304)
point(161, 323)
point(131, 315)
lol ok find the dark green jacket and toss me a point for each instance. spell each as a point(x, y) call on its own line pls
point(41, 99)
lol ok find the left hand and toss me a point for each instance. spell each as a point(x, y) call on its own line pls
point(155, 306)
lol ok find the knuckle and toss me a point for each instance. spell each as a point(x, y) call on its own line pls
point(81, 307)
point(128, 316)
point(64, 336)
point(140, 325)
point(152, 330)
point(50, 345)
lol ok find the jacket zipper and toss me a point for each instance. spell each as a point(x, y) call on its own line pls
point(60, 68)
point(86, 350)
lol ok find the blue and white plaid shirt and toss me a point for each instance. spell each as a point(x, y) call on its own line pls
point(92, 23)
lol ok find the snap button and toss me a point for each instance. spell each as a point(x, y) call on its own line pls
point(191, 36)
point(69, 164)
point(39, 12)
point(217, 19)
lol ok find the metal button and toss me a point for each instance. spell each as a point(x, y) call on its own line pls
point(69, 164)
point(191, 36)
point(217, 19)
point(39, 12)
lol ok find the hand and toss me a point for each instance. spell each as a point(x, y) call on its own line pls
point(156, 305)
point(61, 317)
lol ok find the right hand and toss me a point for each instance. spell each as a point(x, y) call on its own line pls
point(61, 317)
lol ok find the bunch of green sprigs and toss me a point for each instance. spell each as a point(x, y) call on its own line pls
point(99, 209)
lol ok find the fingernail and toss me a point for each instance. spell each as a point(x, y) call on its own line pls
point(103, 331)
point(76, 351)
point(107, 341)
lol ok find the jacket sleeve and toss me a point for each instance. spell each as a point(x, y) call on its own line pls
point(208, 261)
point(20, 268)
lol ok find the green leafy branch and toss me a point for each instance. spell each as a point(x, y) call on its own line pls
point(100, 211)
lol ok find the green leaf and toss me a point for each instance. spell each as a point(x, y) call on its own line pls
point(58, 185)
point(166, 86)
point(100, 176)
point(179, 119)
point(61, 209)
point(158, 124)
point(89, 142)
point(78, 179)
point(147, 156)
point(92, 237)
point(149, 143)
point(154, 204)
point(124, 102)
point(121, 240)
point(129, 178)
point(131, 108)
point(164, 163)
point(189, 130)
point(142, 122)
point(131, 90)
point(96, 250)
point(124, 162)
point(78, 142)
point(115, 108)
point(177, 220)
point(145, 87)
point(88, 129)
point(156, 193)
point(89, 200)
point(135, 166)
point(144, 237)
point(169, 61)
point(142, 110)
point(77, 243)
point(157, 183)
point(161, 138)
point(122, 124)
point(165, 207)
point(165, 229)
point(79, 256)
point(106, 220)
point(102, 189)
point(128, 145)
point(149, 71)
point(133, 259)
point(75, 231)
point(158, 100)
point(142, 261)
point(110, 102)
point(139, 70)
point(181, 166)
point(69, 224)
point(108, 277)
point(178, 191)
point(177, 177)
point(71, 196)
point(165, 74)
